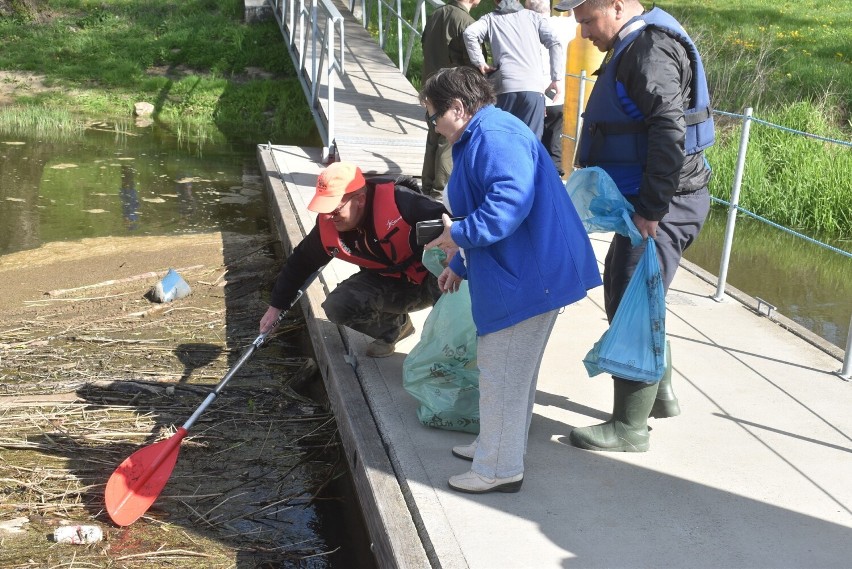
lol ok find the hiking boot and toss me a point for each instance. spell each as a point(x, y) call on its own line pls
point(380, 349)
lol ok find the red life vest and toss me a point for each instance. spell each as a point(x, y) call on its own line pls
point(391, 234)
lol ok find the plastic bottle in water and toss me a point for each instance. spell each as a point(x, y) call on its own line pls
point(77, 535)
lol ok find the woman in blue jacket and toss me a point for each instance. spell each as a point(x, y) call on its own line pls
point(525, 255)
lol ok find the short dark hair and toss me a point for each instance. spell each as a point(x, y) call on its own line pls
point(463, 83)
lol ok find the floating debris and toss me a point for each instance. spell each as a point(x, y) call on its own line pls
point(11, 143)
point(95, 211)
point(15, 200)
point(154, 200)
point(63, 166)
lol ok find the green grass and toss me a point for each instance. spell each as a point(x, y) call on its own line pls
point(790, 51)
point(196, 61)
point(57, 124)
point(792, 63)
point(793, 180)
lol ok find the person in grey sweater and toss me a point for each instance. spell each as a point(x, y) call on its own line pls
point(515, 35)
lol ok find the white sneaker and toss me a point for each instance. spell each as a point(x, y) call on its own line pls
point(465, 452)
point(472, 483)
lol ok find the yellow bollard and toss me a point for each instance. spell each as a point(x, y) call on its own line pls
point(582, 55)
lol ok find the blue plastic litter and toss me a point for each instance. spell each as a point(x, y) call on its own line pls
point(601, 206)
point(170, 287)
point(634, 346)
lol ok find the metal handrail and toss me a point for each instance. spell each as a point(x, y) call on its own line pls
point(315, 26)
point(414, 28)
point(734, 208)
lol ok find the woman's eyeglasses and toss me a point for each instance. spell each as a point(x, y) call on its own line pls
point(433, 119)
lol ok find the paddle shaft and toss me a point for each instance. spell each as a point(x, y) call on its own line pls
point(250, 351)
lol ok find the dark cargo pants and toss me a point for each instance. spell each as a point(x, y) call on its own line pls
point(377, 305)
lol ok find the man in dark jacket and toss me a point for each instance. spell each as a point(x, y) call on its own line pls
point(443, 46)
point(369, 223)
point(647, 123)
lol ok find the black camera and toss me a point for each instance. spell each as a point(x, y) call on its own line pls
point(427, 231)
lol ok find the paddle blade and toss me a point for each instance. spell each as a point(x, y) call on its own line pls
point(138, 481)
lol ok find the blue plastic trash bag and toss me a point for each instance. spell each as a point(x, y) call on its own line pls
point(634, 347)
point(600, 204)
point(440, 371)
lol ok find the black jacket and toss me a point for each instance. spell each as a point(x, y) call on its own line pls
point(646, 69)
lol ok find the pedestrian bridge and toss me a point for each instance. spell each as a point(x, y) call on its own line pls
point(754, 473)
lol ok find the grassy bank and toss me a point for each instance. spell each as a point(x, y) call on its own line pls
point(203, 68)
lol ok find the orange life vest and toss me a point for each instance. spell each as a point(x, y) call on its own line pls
point(390, 233)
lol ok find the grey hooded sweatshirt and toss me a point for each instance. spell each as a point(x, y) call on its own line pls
point(515, 35)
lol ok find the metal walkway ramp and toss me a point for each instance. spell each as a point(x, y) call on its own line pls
point(367, 111)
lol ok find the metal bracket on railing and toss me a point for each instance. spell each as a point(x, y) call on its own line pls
point(764, 308)
point(845, 372)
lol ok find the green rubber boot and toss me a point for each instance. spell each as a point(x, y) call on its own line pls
point(627, 430)
point(666, 405)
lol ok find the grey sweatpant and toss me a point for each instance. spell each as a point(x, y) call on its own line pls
point(509, 361)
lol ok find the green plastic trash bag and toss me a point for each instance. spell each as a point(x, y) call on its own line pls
point(634, 346)
point(440, 371)
point(599, 203)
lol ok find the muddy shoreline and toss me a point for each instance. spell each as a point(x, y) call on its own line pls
point(91, 370)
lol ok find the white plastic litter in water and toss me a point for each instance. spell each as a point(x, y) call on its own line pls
point(77, 535)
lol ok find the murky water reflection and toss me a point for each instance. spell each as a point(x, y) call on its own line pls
point(807, 283)
point(141, 182)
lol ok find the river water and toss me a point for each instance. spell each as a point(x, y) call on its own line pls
point(140, 182)
point(807, 283)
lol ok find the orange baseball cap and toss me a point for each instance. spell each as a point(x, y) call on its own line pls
point(337, 180)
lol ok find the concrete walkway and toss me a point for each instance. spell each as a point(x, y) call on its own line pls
point(756, 472)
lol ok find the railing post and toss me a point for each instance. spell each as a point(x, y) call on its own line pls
point(381, 24)
point(846, 371)
point(581, 97)
point(732, 209)
point(399, 53)
point(314, 34)
point(329, 47)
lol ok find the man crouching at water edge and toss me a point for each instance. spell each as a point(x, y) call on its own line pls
point(371, 224)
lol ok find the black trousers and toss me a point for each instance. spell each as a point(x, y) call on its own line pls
point(552, 137)
point(676, 232)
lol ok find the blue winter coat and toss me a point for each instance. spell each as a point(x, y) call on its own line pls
point(525, 247)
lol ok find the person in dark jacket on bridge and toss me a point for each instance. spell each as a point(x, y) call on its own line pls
point(369, 223)
point(443, 46)
point(647, 123)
